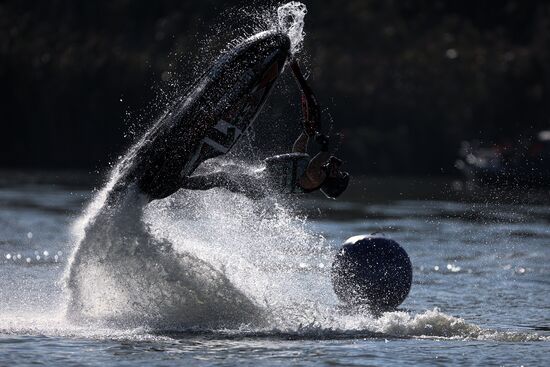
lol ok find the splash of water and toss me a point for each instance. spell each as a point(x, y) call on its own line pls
point(290, 18)
point(120, 272)
point(253, 268)
point(217, 260)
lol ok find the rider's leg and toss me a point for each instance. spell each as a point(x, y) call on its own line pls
point(240, 183)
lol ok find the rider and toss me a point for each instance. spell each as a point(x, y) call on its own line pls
point(289, 173)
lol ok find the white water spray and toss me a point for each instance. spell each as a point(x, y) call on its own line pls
point(217, 260)
point(290, 18)
point(128, 271)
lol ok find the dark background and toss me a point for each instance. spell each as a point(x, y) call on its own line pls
point(405, 81)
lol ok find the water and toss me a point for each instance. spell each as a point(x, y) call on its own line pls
point(214, 278)
point(290, 19)
point(128, 268)
point(479, 293)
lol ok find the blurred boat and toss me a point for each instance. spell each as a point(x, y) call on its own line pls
point(523, 164)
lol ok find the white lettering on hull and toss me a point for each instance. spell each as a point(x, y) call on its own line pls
point(231, 134)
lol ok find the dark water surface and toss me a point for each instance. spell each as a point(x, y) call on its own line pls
point(480, 291)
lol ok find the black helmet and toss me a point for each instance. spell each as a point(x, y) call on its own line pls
point(337, 181)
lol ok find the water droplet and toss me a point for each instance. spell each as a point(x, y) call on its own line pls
point(29, 235)
point(37, 257)
point(436, 268)
point(46, 253)
point(28, 259)
point(453, 268)
point(451, 53)
point(8, 256)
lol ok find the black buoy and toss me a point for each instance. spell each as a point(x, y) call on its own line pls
point(372, 270)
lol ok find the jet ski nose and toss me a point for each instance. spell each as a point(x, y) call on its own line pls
point(283, 41)
point(265, 43)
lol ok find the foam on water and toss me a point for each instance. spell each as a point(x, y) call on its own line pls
point(431, 324)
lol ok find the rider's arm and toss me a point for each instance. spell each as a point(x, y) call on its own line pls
point(300, 145)
point(240, 183)
point(314, 175)
point(204, 182)
point(310, 107)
